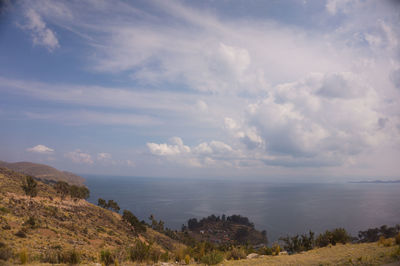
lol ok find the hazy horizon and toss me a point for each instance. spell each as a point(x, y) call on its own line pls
point(281, 91)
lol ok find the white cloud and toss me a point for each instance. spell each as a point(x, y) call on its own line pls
point(80, 157)
point(103, 156)
point(279, 94)
point(40, 149)
point(41, 34)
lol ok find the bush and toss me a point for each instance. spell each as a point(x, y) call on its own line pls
point(338, 235)
point(107, 257)
point(133, 220)
point(29, 185)
point(51, 256)
point(32, 222)
point(386, 242)
point(236, 254)
point(212, 258)
point(140, 252)
point(164, 256)
point(397, 239)
point(21, 233)
point(5, 252)
point(187, 259)
point(70, 257)
point(276, 249)
point(23, 257)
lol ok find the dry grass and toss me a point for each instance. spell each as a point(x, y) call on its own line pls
point(63, 225)
point(349, 254)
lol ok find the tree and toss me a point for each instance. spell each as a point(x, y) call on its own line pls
point(29, 185)
point(134, 221)
point(79, 192)
point(113, 205)
point(62, 188)
point(102, 203)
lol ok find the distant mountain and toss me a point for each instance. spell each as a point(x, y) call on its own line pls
point(43, 172)
point(377, 182)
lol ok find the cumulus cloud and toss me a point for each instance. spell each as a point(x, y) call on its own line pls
point(103, 156)
point(276, 94)
point(202, 155)
point(41, 34)
point(80, 157)
point(41, 149)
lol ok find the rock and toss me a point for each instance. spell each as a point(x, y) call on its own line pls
point(283, 253)
point(252, 256)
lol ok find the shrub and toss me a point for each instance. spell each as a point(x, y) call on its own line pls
point(397, 239)
point(51, 256)
point(276, 249)
point(31, 222)
point(338, 235)
point(133, 220)
point(29, 185)
point(102, 203)
point(140, 252)
point(164, 256)
point(21, 233)
point(187, 259)
point(23, 257)
point(212, 258)
point(236, 254)
point(70, 257)
point(386, 242)
point(107, 257)
point(62, 188)
point(265, 251)
point(5, 252)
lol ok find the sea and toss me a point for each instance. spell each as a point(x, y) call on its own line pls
point(280, 209)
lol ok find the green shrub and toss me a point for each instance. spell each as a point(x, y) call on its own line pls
point(133, 220)
point(187, 259)
point(236, 254)
point(31, 222)
point(265, 251)
point(5, 252)
point(21, 233)
point(107, 257)
point(70, 257)
point(338, 235)
point(397, 239)
point(29, 185)
point(212, 258)
point(4, 210)
point(140, 252)
point(164, 256)
point(51, 256)
point(23, 257)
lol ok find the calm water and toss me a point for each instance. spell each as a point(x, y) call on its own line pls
point(278, 208)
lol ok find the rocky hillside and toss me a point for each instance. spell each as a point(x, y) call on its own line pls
point(43, 172)
point(45, 228)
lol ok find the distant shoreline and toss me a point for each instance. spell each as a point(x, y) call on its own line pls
point(376, 182)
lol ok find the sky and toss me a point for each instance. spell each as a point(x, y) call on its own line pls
point(274, 90)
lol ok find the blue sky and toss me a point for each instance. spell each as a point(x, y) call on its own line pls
point(279, 90)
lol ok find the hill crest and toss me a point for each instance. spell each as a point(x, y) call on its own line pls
point(44, 172)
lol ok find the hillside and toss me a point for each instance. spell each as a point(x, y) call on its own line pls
point(45, 227)
point(43, 172)
point(348, 254)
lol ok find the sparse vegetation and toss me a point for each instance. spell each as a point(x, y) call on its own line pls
point(29, 186)
point(134, 221)
point(107, 257)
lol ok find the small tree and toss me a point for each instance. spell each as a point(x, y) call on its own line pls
point(62, 188)
point(134, 221)
point(102, 203)
point(29, 185)
point(113, 205)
